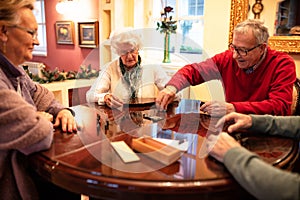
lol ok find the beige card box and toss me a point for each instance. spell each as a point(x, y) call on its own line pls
point(156, 150)
point(125, 152)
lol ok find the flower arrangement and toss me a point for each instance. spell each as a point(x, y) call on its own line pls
point(166, 25)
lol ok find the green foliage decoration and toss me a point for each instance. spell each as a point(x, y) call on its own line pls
point(49, 76)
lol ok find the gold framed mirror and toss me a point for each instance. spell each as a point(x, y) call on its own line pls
point(239, 12)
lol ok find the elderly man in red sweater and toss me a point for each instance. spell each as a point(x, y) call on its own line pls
point(255, 78)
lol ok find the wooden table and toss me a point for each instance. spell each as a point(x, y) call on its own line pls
point(86, 163)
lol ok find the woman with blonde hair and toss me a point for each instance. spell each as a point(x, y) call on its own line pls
point(27, 109)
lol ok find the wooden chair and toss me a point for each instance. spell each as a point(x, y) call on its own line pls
point(296, 98)
point(296, 111)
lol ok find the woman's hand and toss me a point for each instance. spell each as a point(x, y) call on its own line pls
point(66, 120)
point(112, 101)
point(45, 115)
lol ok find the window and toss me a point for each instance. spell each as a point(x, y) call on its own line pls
point(196, 7)
point(39, 13)
point(190, 22)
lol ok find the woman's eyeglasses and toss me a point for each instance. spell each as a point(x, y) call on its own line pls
point(132, 51)
point(240, 51)
point(33, 33)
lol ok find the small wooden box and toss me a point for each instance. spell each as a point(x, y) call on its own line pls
point(156, 150)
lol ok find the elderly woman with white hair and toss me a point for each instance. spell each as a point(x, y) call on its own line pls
point(126, 77)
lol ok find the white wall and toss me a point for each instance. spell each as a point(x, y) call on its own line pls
point(216, 33)
point(216, 23)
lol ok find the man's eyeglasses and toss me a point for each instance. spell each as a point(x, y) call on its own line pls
point(240, 51)
point(132, 51)
point(33, 33)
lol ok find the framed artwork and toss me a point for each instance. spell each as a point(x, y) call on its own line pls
point(88, 34)
point(64, 32)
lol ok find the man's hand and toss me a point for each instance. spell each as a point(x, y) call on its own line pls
point(217, 108)
point(66, 120)
point(112, 101)
point(164, 98)
point(239, 122)
point(218, 145)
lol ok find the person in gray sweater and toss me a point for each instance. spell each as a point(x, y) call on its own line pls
point(260, 179)
point(28, 111)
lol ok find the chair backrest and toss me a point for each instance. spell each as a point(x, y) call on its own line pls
point(296, 98)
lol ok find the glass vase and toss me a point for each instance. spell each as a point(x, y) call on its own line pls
point(166, 48)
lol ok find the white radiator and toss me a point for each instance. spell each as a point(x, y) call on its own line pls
point(35, 67)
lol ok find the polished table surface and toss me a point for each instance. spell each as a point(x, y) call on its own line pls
point(86, 163)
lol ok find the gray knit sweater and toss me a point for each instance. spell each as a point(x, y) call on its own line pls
point(257, 177)
point(22, 130)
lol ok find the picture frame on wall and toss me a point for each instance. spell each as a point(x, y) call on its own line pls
point(64, 32)
point(88, 34)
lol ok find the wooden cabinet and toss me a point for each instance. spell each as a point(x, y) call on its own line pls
point(61, 89)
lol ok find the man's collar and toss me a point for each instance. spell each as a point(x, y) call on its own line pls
point(254, 67)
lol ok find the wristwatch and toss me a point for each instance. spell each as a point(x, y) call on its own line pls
point(257, 8)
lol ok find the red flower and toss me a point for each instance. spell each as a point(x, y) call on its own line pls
point(167, 25)
point(168, 9)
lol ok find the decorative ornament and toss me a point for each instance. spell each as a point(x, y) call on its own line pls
point(257, 8)
point(49, 76)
